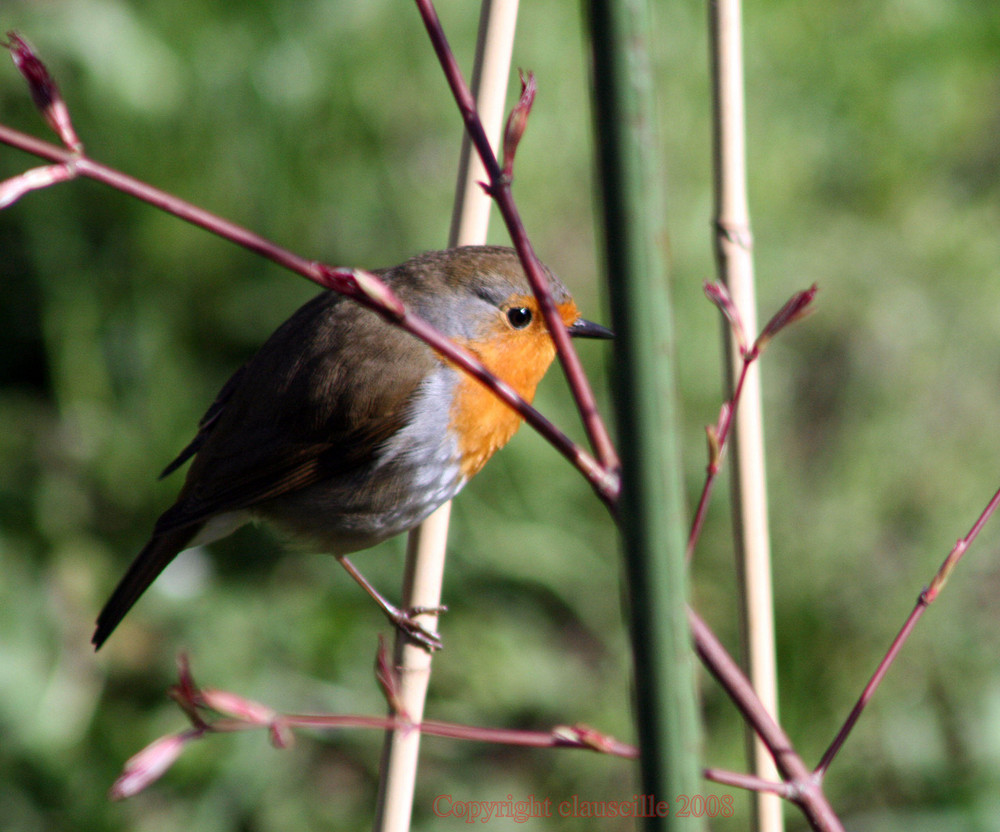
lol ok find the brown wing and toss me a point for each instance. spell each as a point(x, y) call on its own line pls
point(325, 391)
point(320, 397)
point(207, 423)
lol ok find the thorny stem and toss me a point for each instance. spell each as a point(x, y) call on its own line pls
point(924, 600)
point(499, 189)
point(352, 283)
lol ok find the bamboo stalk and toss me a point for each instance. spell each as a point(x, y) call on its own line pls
point(471, 218)
point(425, 556)
point(422, 579)
point(652, 518)
point(733, 246)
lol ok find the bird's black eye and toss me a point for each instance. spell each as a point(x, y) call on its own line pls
point(519, 316)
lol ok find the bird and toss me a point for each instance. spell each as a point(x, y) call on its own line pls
point(344, 430)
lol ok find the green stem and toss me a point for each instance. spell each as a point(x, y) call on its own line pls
point(652, 518)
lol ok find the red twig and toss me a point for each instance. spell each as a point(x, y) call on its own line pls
point(217, 711)
point(804, 787)
point(718, 438)
point(749, 782)
point(361, 286)
point(924, 600)
point(499, 189)
point(796, 307)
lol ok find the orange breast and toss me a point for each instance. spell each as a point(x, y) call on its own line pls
point(483, 423)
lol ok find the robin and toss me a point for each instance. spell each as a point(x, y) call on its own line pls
point(344, 430)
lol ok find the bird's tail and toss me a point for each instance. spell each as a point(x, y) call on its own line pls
point(151, 561)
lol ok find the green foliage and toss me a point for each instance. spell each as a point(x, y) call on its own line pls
point(327, 127)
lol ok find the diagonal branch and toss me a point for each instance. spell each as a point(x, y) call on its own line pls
point(499, 189)
point(924, 600)
point(363, 287)
point(805, 787)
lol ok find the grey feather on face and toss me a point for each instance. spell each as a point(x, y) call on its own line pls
point(466, 314)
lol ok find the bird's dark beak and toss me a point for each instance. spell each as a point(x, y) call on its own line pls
point(582, 328)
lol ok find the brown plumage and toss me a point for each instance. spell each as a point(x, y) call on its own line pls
point(345, 430)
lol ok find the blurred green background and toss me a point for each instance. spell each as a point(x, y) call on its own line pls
point(873, 149)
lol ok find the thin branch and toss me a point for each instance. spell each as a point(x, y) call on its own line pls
point(361, 286)
point(718, 438)
point(806, 790)
point(499, 189)
point(749, 782)
point(924, 600)
point(795, 309)
point(217, 711)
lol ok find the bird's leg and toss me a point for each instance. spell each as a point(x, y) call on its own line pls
point(404, 619)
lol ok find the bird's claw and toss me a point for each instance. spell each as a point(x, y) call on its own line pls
point(406, 621)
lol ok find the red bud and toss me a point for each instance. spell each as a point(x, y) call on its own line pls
point(517, 122)
point(797, 307)
point(150, 764)
point(719, 295)
point(44, 91)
